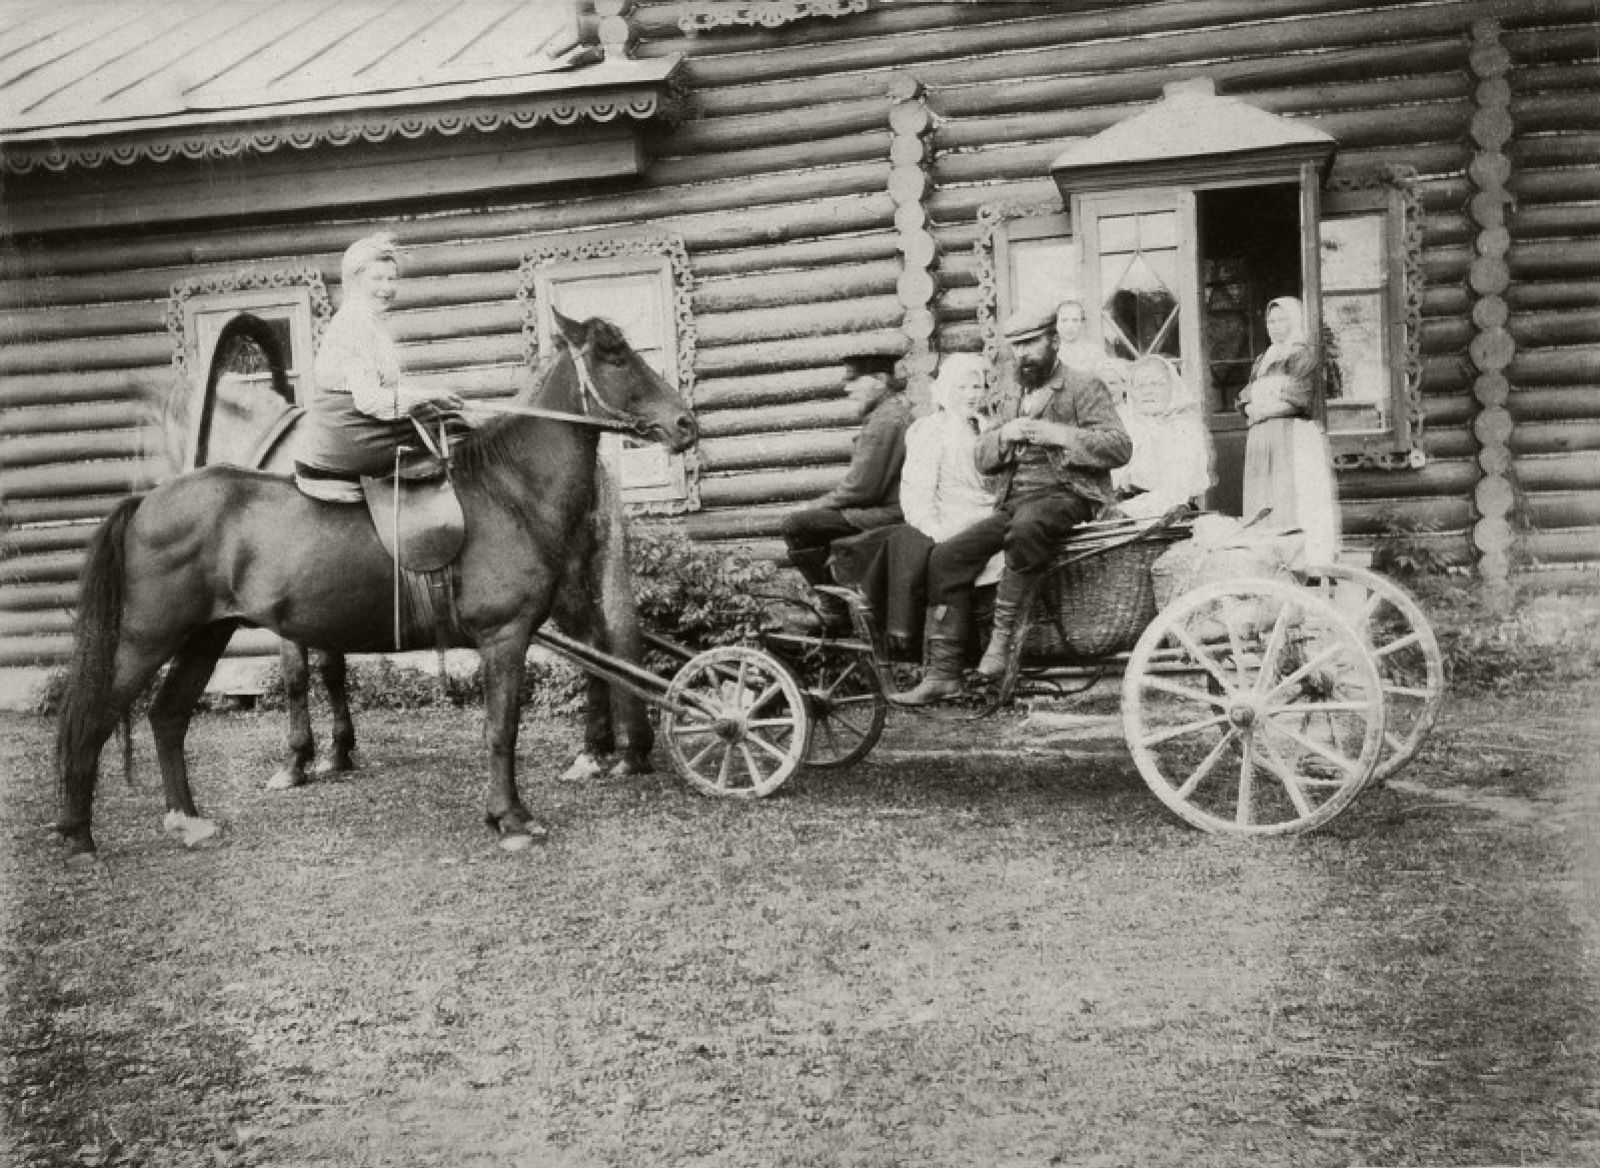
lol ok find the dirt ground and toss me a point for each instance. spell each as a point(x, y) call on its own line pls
point(987, 945)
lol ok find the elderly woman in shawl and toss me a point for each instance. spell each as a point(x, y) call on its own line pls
point(941, 493)
point(1288, 467)
point(359, 414)
point(1172, 461)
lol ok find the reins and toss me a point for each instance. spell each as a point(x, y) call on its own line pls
point(611, 419)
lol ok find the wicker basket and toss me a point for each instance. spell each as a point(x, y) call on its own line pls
point(1096, 605)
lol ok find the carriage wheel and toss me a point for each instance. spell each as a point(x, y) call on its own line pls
point(1253, 708)
point(847, 705)
point(735, 723)
point(1409, 660)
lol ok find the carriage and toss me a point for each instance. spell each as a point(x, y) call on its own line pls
point(1256, 706)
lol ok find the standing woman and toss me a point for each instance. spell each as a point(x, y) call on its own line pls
point(1288, 466)
point(359, 413)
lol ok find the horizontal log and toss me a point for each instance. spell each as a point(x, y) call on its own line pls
point(1568, 148)
point(1571, 185)
point(1439, 477)
point(1443, 228)
point(41, 651)
point(42, 568)
point(49, 622)
point(1457, 441)
point(1540, 329)
point(477, 383)
point(959, 303)
point(1446, 335)
point(124, 385)
point(1546, 45)
point(955, 241)
point(1562, 259)
point(960, 337)
point(1550, 513)
point(1576, 436)
point(1554, 112)
point(37, 450)
point(1011, 162)
point(54, 538)
point(1554, 295)
point(125, 477)
point(814, 121)
point(1363, 518)
point(1573, 546)
point(1446, 301)
point(766, 389)
point(778, 355)
point(56, 419)
point(832, 412)
point(752, 257)
point(771, 289)
point(1559, 472)
point(1446, 265)
point(800, 320)
point(961, 203)
point(1135, 72)
point(783, 486)
point(1536, 79)
point(463, 353)
point(759, 156)
point(1528, 404)
point(1555, 222)
point(1555, 367)
point(1551, 579)
point(54, 510)
point(807, 448)
point(1441, 413)
point(457, 322)
point(744, 523)
point(85, 353)
point(36, 597)
point(1430, 159)
point(46, 322)
point(1447, 375)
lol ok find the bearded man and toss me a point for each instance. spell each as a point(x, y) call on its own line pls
point(1051, 450)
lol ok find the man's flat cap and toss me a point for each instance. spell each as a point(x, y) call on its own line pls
point(1028, 322)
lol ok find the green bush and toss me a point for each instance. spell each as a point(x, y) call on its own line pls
point(697, 596)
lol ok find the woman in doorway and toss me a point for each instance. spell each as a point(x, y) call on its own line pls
point(1172, 457)
point(1086, 356)
point(359, 414)
point(1288, 466)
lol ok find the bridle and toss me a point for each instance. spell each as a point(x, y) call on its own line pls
point(595, 410)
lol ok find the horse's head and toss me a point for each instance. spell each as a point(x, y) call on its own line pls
point(628, 387)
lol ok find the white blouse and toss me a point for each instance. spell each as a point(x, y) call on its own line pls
point(358, 356)
point(941, 491)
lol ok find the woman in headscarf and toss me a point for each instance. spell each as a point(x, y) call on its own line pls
point(1288, 466)
point(941, 493)
point(359, 413)
point(1172, 460)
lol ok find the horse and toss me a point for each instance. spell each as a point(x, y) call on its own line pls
point(170, 575)
point(596, 606)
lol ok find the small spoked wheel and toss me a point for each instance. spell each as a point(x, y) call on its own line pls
point(1253, 708)
point(848, 707)
point(735, 723)
point(1409, 661)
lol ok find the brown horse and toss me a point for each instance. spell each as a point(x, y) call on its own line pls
point(170, 575)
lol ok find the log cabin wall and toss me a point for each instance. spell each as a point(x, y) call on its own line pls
point(781, 183)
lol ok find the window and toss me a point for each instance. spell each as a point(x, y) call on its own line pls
point(244, 349)
point(1026, 254)
point(642, 286)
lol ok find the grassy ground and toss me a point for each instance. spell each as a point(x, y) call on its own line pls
point(975, 948)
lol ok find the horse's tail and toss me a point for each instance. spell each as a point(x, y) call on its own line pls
point(92, 669)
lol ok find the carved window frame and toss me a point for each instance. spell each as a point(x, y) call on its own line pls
point(548, 263)
point(297, 292)
point(1000, 227)
point(1394, 193)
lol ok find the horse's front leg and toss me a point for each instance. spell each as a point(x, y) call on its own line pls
point(598, 738)
point(336, 679)
point(170, 714)
point(503, 663)
point(296, 695)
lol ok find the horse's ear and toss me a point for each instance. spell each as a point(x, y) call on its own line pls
point(574, 333)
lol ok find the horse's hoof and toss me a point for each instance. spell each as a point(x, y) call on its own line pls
point(585, 767)
point(83, 861)
point(628, 767)
point(517, 832)
point(285, 780)
point(337, 765)
point(193, 831)
point(516, 843)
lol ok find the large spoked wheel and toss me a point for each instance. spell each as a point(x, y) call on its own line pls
point(1253, 708)
point(735, 723)
point(845, 698)
point(1407, 652)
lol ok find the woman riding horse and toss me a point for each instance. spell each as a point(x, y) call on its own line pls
point(170, 575)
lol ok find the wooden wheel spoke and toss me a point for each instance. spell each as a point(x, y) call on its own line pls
point(1311, 666)
point(1171, 732)
point(766, 696)
point(722, 768)
point(1286, 776)
point(1208, 764)
point(1396, 743)
point(681, 731)
point(1243, 809)
point(780, 755)
point(1201, 657)
point(1341, 761)
point(1183, 691)
point(694, 763)
point(1309, 708)
point(1410, 638)
point(827, 732)
point(768, 723)
point(1274, 646)
point(1236, 647)
point(757, 775)
point(1406, 691)
point(853, 727)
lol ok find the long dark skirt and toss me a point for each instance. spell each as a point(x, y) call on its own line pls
point(890, 567)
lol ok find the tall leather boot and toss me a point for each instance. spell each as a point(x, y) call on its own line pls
point(1013, 585)
point(946, 654)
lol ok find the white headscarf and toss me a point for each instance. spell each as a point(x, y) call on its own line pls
point(1179, 399)
point(952, 371)
point(363, 253)
point(1296, 339)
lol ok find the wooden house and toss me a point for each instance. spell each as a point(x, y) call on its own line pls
point(755, 190)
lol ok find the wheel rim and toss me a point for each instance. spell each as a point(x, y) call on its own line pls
point(1410, 663)
point(735, 723)
point(1253, 709)
point(848, 708)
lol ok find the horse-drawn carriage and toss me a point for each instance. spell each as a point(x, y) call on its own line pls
point(1259, 706)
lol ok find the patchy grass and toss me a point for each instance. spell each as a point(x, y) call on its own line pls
point(974, 948)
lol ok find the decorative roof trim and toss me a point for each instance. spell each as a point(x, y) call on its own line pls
point(229, 141)
point(766, 13)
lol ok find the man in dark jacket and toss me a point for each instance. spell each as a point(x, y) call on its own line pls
point(1055, 438)
point(869, 496)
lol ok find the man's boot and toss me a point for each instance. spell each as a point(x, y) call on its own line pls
point(1008, 596)
point(946, 655)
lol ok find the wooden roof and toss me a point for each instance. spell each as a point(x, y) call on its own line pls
point(108, 69)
